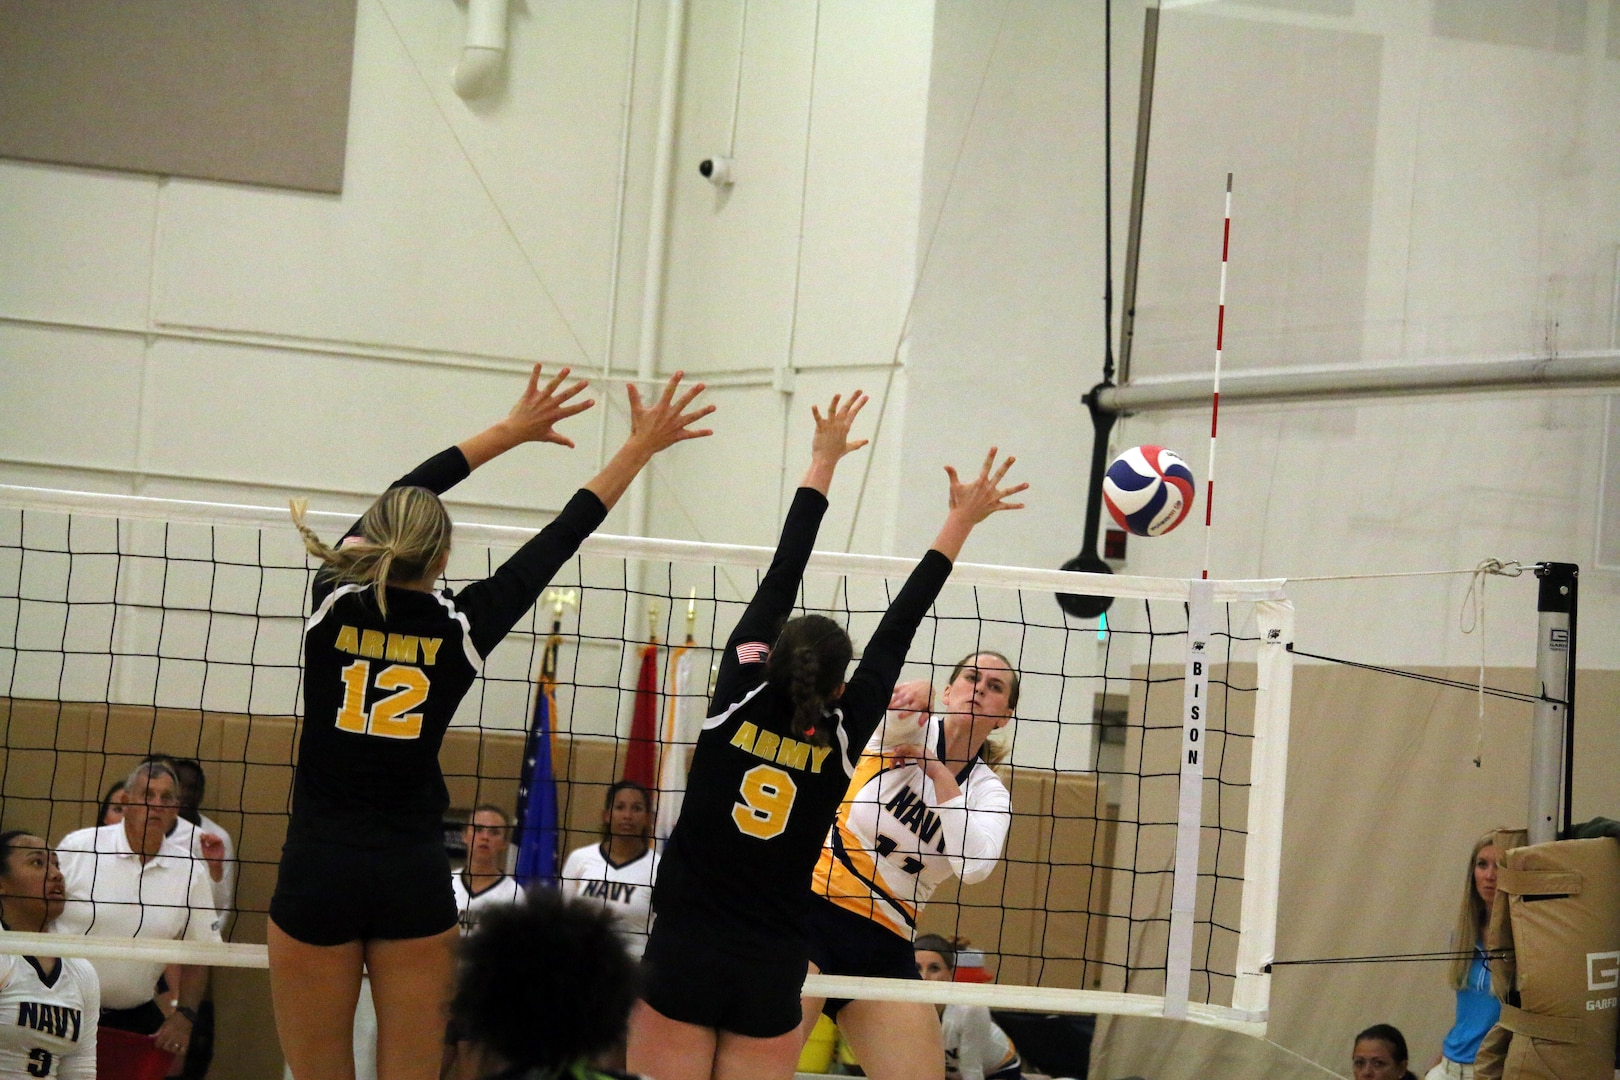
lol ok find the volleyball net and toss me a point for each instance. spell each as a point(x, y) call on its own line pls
point(1146, 761)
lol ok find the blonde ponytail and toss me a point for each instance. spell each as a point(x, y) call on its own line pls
point(402, 536)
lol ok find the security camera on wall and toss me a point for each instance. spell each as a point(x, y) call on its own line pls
point(717, 171)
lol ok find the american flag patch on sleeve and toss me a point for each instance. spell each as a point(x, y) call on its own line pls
point(752, 652)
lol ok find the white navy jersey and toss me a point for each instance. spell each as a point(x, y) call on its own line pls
point(472, 905)
point(48, 1025)
point(975, 1047)
point(895, 840)
point(625, 890)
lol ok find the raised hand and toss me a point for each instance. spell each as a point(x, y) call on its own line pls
point(535, 416)
point(213, 852)
point(666, 421)
point(653, 427)
point(911, 698)
point(533, 419)
point(831, 440)
point(909, 706)
point(975, 500)
point(832, 431)
point(981, 497)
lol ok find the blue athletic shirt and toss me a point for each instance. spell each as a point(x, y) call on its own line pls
point(1477, 1010)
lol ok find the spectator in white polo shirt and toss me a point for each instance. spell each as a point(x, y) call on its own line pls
point(127, 880)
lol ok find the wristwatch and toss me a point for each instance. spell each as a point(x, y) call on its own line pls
point(188, 1012)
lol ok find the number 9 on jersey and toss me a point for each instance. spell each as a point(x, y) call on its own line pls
point(767, 797)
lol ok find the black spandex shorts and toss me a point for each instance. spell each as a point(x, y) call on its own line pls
point(845, 943)
point(329, 894)
point(686, 978)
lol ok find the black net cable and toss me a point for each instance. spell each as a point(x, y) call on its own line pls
point(1458, 684)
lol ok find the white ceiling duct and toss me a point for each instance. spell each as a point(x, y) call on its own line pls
point(485, 51)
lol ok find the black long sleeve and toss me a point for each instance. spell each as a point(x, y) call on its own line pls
point(866, 697)
point(494, 605)
point(773, 599)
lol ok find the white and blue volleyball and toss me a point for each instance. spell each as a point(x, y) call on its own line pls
point(1148, 489)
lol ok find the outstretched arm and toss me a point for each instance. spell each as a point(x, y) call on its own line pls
point(653, 428)
point(533, 419)
point(501, 599)
point(867, 693)
point(773, 598)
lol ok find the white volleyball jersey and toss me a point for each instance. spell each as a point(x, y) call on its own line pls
point(894, 840)
point(975, 1048)
point(625, 890)
point(48, 1026)
point(472, 905)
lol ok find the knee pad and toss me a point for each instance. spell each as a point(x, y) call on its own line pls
point(1556, 920)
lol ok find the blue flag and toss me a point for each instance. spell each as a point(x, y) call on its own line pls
point(537, 795)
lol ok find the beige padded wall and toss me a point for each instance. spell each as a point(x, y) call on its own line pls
point(58, 759)
point(1383, 803)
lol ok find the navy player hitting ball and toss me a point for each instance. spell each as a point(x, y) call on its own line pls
point(727, 956)
point(48, 1006)
point(364, 879)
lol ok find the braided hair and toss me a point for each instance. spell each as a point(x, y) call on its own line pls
point(808, 663)
point(402, 536)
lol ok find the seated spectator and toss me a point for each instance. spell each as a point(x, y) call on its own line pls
point(543, 987)
point(129, 880)
point(48, 1006)
point(1380, 1054)
point(484, 882)
point(975, 1048)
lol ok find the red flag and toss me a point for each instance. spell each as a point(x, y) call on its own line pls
point(641, 765)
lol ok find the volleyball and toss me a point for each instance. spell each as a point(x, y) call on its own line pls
point(1148, 489)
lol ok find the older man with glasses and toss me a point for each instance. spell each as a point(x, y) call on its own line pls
point(130, 880)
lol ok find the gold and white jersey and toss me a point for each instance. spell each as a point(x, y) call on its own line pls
point(894, 840)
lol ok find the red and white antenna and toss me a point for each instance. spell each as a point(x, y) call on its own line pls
point(1215, 401)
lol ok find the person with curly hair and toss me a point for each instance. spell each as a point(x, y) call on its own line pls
point(544, 987)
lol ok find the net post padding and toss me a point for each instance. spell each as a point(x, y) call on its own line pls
point(1268, 778)
point(1190, 799)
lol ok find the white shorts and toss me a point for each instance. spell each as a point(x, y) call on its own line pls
point(1450, 1070)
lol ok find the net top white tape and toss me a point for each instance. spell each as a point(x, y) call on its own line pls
point(631, 547)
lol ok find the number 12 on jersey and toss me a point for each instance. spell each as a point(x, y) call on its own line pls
point(390, 718)
point(767, 798)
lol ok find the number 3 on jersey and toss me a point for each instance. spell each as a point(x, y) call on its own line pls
point(391, 717)
point(767, 798)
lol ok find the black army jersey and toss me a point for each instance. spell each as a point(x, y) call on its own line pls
point(759, 801)
point(379, 692)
